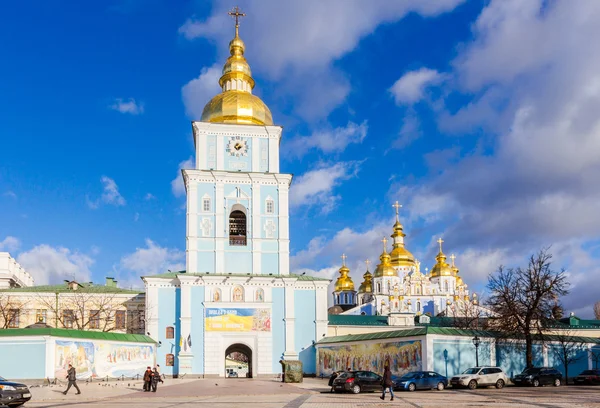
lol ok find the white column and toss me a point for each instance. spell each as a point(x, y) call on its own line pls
point(152, 308)
point(220, 152)
point(50, 356)
point(201, 149)
point(256, 227)
point(284, 229)
point(290, 348)
point(274, 154)
point(220, 226)
point(192, 227)
point(186, 357)
point(321, 309)
point(255, 152)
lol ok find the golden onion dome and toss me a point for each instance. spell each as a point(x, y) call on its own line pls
point(385, 268)
point(400, 256)
point(344, 282)
point(441, 268)
point(236, 104)
point(367, 285)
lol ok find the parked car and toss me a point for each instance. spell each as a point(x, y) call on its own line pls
point(420, 380)
point(537, 376)
point(357, 381)
point(588, 377)
point(13, 394)
point(480, 377)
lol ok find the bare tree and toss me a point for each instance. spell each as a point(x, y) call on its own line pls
point(522, 299)
point(568, 349)
point(11, 307)
point(467, 315)
point(87, 309)
point(597, 310)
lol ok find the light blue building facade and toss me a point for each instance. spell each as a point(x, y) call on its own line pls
point(237, 293)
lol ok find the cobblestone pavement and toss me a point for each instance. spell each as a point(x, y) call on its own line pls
point(311, 394)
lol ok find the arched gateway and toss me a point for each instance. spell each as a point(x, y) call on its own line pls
point(238, 361)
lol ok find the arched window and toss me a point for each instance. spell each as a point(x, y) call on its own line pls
point(170, 332)
point(237, 227)
point(217, 295)
point(260, 295)
point(238, 294)
point(389, 287)
point(206, 204)
point(378, 287)
point(446, 286)
point(418, 290)
point(418, 306)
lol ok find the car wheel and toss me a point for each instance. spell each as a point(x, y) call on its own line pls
point(557, 382)
point(356, 389)
point(535, 382)
point(441, 386)
point(472, 384)
point(500, 384)
point(412, 387)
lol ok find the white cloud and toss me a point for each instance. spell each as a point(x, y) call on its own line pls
point(110, 195)
point(130, 106)
point(200, 90)
point(177, 185)
point(320, 32)
point(410, 88)
point(10, 244)
point(410, 131)
point(151, 260)
point(50, 265)
point(149, 197)
point(10, 194)
point(315, 187)
point(329, 140)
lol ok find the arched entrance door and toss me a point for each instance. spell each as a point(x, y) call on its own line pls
point(238, 361)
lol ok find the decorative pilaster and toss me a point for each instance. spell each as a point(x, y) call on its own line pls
point(290, 327)
point(186, 355)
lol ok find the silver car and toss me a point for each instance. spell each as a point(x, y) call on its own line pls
point(480, 377)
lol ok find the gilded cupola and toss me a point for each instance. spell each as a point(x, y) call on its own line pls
point(455, 271)
point(236, 104)
point(344, 282)
point(367, 285)
point(400, 256)
point(441, 268)
point(385, 268)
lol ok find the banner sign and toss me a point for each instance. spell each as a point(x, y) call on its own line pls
point(239, 320)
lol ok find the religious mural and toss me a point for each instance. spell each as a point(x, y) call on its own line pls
point(237, 319)
point(402, 357)
point(101, 359)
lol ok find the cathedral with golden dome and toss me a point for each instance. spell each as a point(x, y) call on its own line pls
point(399, 286)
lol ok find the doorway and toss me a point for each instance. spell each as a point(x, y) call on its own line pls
point(238, 361)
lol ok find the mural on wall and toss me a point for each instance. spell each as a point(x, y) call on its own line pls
point(237, 319)
point(101, 359)
point(402, 356)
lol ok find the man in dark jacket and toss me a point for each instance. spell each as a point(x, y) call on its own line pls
point(147, 379)
point(388, 383)
point(334, 375)
point(155, 379)
point(72, 377)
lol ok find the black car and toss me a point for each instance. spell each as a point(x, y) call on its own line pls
point(537, 376)
point(588, 377)
point(13, 394)
point(357, 381)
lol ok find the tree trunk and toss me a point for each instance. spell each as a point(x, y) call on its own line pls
point(528, 350)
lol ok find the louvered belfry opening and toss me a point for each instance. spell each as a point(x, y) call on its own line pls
point(237, 228)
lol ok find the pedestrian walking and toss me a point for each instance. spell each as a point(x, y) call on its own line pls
point(72, 377)
point(147, 379)
point(155, 379)
point(387, 383)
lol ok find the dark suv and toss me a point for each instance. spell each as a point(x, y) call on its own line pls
point(357, 381)
point(13, 394)
point(537, 376)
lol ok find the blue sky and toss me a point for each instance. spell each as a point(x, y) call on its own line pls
point(480, 117)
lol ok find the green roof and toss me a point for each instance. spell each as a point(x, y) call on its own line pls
point(173, 275)
point(422, 331)
point(77, 334)
point(84, 288)
point(357, 320)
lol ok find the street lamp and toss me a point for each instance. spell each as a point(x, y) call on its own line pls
point(476, 343)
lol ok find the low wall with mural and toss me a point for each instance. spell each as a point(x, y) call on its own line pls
point(403, 356)
point(99, 359)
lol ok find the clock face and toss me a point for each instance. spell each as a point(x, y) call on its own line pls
point(237, 146)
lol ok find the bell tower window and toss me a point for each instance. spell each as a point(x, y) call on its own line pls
point(206, 204)
point(270, 206)
point(237, 228)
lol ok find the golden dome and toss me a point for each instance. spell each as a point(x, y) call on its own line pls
point(236, 104)
point(441, 268)
point(385, 268)
point(367, 285)
point(400, 256)
point(344, 282)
